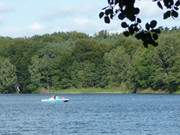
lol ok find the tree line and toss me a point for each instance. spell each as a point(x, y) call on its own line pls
point(77, 60)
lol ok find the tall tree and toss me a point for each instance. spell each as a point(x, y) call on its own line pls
point(48, 66)
point(7, 75)
point(118, 63)
point(167, 58)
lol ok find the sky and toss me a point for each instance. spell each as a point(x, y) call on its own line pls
point(24, 18)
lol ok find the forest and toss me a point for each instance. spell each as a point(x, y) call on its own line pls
point(74, 60)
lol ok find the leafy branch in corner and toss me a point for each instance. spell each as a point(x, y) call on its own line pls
point(125, 9)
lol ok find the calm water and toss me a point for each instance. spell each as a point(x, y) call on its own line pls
point(90, 115)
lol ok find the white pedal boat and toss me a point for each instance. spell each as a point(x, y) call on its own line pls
point(57, 99)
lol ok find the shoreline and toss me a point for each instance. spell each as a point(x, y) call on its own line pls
point(97, 91)
point(85, 93)
point(103, 91)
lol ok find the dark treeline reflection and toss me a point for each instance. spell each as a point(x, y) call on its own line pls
point(76, 60)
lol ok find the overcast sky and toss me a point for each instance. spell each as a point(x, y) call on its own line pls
point(19, 18)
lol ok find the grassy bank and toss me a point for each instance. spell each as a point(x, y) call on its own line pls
point(84, 91)
point(151, 91)
point(101, 90)
point(177, 92)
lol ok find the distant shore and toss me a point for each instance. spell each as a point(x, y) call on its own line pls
point(101, 91)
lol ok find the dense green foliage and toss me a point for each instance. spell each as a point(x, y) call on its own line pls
point(8, 74)
point(75, 60)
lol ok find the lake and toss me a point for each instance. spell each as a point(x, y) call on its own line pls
point(94, 114)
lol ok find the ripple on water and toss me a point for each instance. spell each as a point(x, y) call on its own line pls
point(91, 114)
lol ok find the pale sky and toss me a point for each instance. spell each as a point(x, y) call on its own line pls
point(20, 18)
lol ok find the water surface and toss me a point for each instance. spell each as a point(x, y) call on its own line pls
point(98, 114)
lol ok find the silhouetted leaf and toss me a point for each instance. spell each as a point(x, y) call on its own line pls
point(174, 13)
point(136, 10)
point(121, 16)
point(107, 19)
point(132, 18)
point(108, 11)
point(159, 5)
point(155, 36)
point(131, 29)
point(167, 14)
point(105, 8)
point(147, 26)
point(168, 3)
point(139, 35)
point(176, 8)
point(157, 31)
point(136, 29)
point(124, 25)
point(177, 3)
point(153, 24)
point(126, 33)
point(101, 14)
point(138, 20)
point(155, 44)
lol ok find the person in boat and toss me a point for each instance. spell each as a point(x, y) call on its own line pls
point(54, 97)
